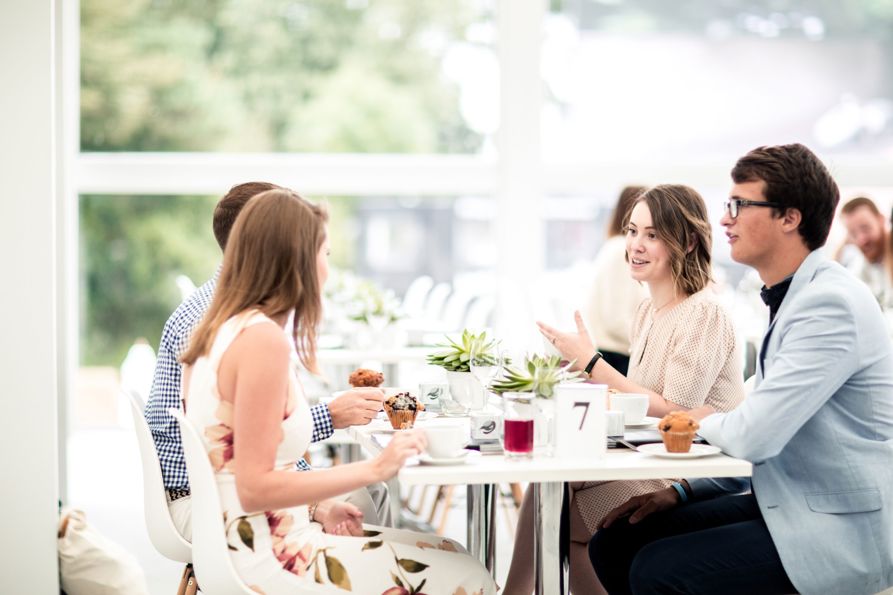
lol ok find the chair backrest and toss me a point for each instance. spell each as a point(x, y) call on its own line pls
point(414, 299)
point(214, 569)
point(162, 532)
point(480, 313)
point(436, 300)
point(455, 308)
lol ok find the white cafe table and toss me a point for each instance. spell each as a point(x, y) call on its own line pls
point(547, 475)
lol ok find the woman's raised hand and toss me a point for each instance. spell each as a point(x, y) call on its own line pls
point(403, 444)
point(577, 347)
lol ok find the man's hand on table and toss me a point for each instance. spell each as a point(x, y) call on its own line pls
point(356, 407)
point(638, 507)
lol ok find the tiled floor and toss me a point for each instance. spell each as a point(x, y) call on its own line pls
point(105, 480)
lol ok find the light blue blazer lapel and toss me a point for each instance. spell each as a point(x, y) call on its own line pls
point(804, 274)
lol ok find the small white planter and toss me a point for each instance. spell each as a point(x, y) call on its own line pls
point(466, 390)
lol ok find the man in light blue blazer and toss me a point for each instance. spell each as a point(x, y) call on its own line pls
point(818, 426)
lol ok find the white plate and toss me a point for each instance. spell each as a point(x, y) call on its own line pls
point(338, 393)
point(386, 423)
point(647, 421)
point(697, 450)
point(467, 456)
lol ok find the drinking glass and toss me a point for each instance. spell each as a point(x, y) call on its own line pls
point(484, 364)
point(519, 411)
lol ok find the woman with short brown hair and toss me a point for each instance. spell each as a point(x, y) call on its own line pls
point(684, 355)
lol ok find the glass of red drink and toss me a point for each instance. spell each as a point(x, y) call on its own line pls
point(519, 411)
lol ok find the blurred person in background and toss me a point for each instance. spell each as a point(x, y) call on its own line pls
point(867, 230)
point(614, 295)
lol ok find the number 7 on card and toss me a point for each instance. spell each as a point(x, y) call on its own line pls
point(580, 420)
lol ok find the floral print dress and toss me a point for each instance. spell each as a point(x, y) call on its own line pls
point(282, 551)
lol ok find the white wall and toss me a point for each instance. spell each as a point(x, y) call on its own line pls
point(28, 436)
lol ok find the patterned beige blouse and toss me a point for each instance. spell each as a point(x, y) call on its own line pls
point(688, 355)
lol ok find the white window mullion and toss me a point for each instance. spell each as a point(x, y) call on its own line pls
point(520, 228)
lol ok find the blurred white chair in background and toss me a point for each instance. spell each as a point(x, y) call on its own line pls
point(185, 285)
point(136, 374)
point(480, 313)
point(416, 294)
point(454, 310)
point(436, 301)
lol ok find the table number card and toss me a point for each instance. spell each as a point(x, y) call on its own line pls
point(580, 420)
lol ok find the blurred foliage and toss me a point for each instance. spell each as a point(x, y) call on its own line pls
point(243, 75)
point(132, 249)
point(272, 75)
point(859, 18)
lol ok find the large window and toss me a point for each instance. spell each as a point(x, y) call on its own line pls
point(643, 80)
point(479, 142)
point(354, 76)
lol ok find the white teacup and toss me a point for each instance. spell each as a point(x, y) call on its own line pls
point(445, 440)
point(633, 405)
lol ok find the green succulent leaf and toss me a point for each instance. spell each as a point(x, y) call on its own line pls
point(537, 374)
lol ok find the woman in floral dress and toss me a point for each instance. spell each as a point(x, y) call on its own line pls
point(286, 531)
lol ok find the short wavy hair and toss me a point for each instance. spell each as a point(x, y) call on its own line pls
point(679, 216)
point(796, 179)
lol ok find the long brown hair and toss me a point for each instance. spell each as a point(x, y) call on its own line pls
point(270, 264)
point(680, 220)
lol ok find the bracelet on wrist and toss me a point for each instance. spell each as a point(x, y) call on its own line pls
point(680, 489)
point(311, 510)
point(589, 367)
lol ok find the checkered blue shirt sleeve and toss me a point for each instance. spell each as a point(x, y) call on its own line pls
point(165, 393)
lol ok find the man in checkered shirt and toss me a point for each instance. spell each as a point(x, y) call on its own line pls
point(351, 408)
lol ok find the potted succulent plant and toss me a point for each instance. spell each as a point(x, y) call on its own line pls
point(538, 375)
point(455, 357)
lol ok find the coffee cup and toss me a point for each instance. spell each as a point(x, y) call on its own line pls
point(445, 440)
point(633, 405)
point(614, 424)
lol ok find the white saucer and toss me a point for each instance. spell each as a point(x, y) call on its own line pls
point(697, 450)
point(463, 457)
point(646, 421)
point(385, 424)
point(338, 393)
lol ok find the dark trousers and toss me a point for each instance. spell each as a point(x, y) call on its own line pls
point(713, 546)
point(618, 361)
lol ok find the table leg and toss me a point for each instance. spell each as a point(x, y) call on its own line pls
point(481, 541)
point(350, 453)
point(394, 502)
point(550, 569)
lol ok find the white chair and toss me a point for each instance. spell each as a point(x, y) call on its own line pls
point(213, 566)
point(480, 313)
point(455, 309)
point(414, 298)
point(162, 532)
point(436, 301)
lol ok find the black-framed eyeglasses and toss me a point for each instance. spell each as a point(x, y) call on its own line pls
point(734, 205)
